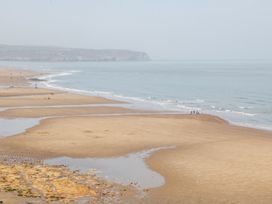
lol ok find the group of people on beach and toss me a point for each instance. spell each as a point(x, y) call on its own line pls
point(194, 112)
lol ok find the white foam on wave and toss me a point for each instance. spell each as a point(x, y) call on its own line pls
point(168, 104)
point(236, 112)
point(149, 102)
point(251, 125)
point(56, 75)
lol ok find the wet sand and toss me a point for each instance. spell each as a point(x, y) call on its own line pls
point(213, 162)
point(26, 91)
point(42, 97)
point(57, 112)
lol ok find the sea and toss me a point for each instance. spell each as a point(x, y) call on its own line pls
point(238, 91)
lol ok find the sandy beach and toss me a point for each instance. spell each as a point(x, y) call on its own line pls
point(212, 162)
point(13, 77)
point(41, 97)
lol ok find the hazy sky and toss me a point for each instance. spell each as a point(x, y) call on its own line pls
point(166, 29)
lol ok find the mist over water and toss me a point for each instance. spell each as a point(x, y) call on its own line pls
point(173, 29)
point(239, 91)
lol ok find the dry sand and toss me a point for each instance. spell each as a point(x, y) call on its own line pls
point(213, 162)
point(12, 77)
point(118, 135)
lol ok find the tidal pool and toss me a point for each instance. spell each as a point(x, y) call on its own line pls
point(9, 127)
point(124, 170)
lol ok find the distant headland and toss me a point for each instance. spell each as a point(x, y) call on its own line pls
point(61, 54)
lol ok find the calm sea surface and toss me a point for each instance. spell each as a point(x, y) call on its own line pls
point(240, 92)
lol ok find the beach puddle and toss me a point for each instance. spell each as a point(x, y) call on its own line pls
point(129, 169)
point(9, 127)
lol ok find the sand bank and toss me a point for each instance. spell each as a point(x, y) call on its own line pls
point(13, 77)
point(44, 97)
point(57, 112)
point(26, 91)
point(118, 135)
point(213, 162)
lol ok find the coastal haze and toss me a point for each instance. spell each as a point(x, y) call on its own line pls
point(136, 102)
point(55, 54)
point(172, 30)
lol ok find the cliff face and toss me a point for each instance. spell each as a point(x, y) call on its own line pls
point(32, 53)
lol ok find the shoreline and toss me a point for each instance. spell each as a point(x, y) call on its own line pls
point(149, 105)
point(213, 162)
point(45, 80)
